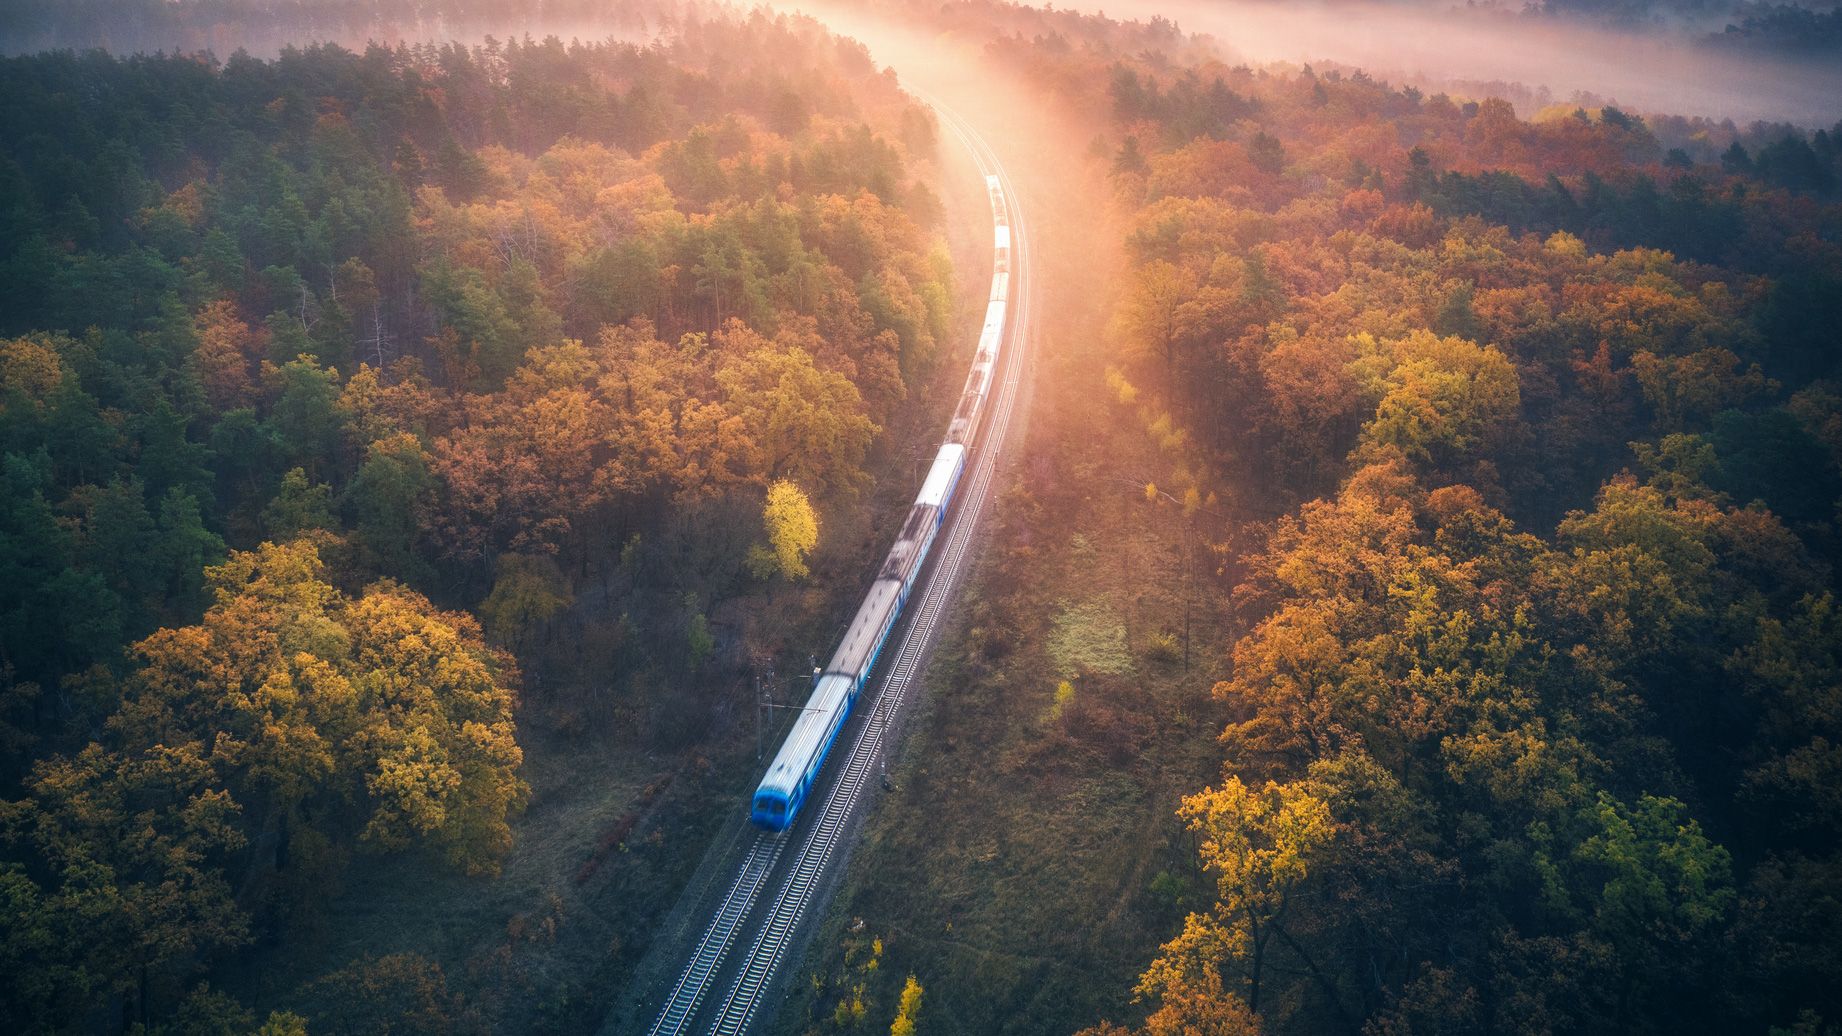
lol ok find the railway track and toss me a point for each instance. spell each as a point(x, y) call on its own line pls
point(717, 938)
point(819, 837)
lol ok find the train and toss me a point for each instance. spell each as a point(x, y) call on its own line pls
point(835, 688)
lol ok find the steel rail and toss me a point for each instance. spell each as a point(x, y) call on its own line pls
point(694, 981)
point(778, 929)
point(781, 925)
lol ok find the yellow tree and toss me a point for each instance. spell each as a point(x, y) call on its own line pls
point(438, 750)
point(908, 1010)
point(1202, 1008)
point(657, 432)
point(792, 530)
point(1258, 843)
point(1445, 399)
point(307, 702)
point(394, 401)
point(806, 422)
point(1149, 310)
point(30, 366)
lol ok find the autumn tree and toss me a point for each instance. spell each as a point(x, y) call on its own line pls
point(1150, 312)
point(805, 423)
point(792, 531)
point(1442, 400)
point(908, 1010)
point(133, 895)
point(304, 700)
point(227, 350)
point(1258, 844)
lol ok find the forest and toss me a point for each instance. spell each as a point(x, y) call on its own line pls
point(364, 412)
point(1414, 608)
point(1533, 723)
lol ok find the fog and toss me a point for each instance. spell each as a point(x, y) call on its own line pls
point(267, 38)
point(1467, 50)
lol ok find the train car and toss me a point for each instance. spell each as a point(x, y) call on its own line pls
point(924, 518)
point(863, 638)
point(942, 481)
point(991, 338)
point(790, 776)
point(964, 425)
point(794, 768)
point(911, 545)
point(963, 428)
point(796, 765)
point(960, 428)
point(993, 328)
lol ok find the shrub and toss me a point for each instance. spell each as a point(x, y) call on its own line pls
point(1163, 649)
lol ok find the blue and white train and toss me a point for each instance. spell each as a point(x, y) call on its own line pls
point(796, 766)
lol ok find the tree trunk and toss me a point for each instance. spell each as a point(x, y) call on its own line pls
point(1258, 940)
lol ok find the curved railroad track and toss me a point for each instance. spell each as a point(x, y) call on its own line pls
point(793, 864)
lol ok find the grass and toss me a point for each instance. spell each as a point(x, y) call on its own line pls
point(540, 943)
point(1090, 638)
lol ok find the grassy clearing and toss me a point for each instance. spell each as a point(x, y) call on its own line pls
point(1090, 638)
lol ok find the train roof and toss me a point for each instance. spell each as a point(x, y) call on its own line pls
point(994, 318)
point(975, 388)
point(853, 654)
point(957, 431)
point(940, 476)
point(808, 734)
point(914, 530)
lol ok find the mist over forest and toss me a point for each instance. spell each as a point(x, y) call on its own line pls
point(1679, 59)
point(1745, 61)
point(264, 27)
